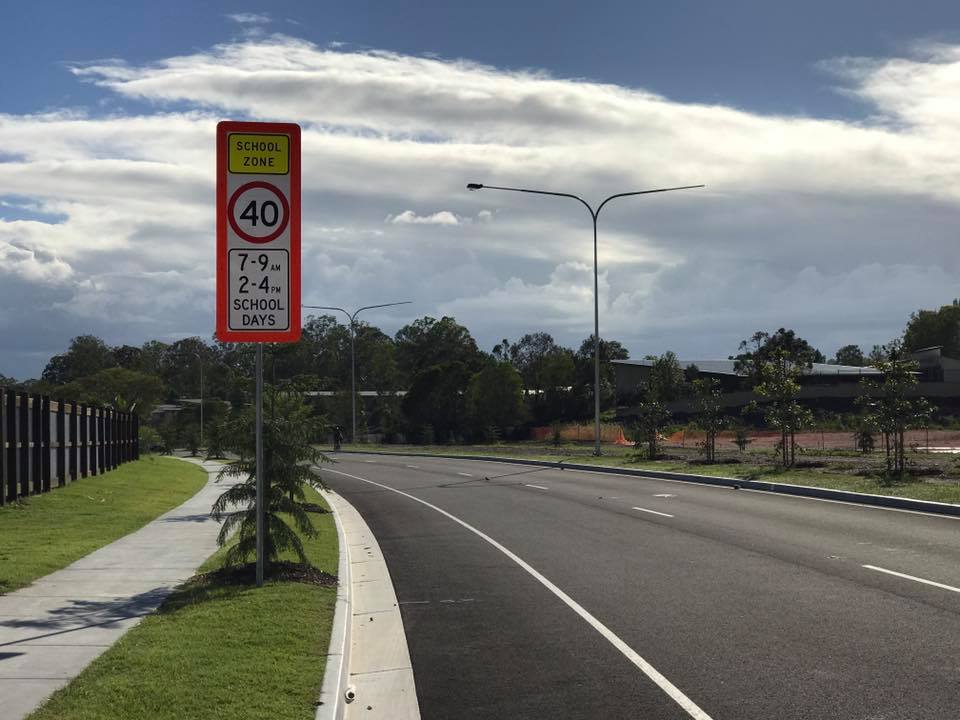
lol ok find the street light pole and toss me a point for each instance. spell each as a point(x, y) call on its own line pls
point(594, 214)
point(353, 360)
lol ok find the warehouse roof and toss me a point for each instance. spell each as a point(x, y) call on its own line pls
point(726, 367)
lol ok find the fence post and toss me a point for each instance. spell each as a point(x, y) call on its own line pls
point(72, 434)
point(136, 437)
point(125, 438)
point(84, 433)
point(100, 452)
point(13, 447)
point(44, 443)
point(26, 438)
point(115, 437)
point(96, 438)
point(61, 444)
point(108, 439)
point(105, 447)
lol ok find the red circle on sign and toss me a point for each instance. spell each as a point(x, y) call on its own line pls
point(282, 225)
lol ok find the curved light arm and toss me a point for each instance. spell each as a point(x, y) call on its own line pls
point(646, 192)
point(329, 307)
point(593, 213)
point(353, 315)
point(480, 186)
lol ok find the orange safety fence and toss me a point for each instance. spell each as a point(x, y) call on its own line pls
point(582, 432)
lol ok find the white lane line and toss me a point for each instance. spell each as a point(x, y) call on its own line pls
point(951, 588)
point(652, 512)
point(664, 495)
point(465, 474)
point(372, 462)
point(632, 655)
point(538, 487)
point(413, 467)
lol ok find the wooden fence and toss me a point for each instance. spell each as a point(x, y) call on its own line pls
point(46, 444)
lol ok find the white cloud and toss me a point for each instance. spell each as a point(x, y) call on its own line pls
point(839, 229)
point(409, 217)
point(249, 18)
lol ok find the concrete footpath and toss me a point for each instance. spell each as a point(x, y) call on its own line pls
point(51, 630)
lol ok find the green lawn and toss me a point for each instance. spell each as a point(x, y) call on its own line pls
point(939, 491)
point(216, 650)
point(47, 532)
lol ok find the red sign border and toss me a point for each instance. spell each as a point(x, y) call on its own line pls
point(224, 333)
point(231, 206)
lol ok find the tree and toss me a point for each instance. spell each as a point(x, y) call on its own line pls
point(761, 347)
point(779, 385)
point(429, 342)
point(494, 398)
point(116, 387)
point(86, 355)
point(889, 411)
point(435, 398)
point(709, 418)
point(584, 368)
point(850, 355)
point(289, 431)
point(652, 413)
point(217, 437)
point(927, 328)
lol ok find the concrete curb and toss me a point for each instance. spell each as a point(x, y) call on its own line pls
point(886, 501)
point(373, 677)
point(331, 704)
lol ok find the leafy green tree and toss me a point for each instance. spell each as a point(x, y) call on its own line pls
point(709, 418)
point(934, 327)
point(289, 432)
point(428, 343)
point(779, 386)
point(761, 348)
point(850, 355)
point(435, 398)
point(117, 387)
point(654, 393)
point(217, 437)
point(494, 398)
point(890, 411)
point(741, 437)
point(86, 356)
point(584, 368)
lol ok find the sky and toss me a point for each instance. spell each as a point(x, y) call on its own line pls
point(826, 135)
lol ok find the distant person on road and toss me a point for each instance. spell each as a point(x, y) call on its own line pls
point(337, 437)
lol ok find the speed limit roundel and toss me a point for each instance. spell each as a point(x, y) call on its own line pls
point(258, 212)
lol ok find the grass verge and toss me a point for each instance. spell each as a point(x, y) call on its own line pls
point(919, 489)
point(217, 649)
point(47, 532)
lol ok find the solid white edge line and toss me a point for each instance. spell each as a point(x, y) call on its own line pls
point(538, 487)
point(951, 588)
point(652, 512)
point(632, 655)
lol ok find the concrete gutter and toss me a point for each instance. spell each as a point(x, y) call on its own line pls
point(369, 673)
point(887, 501)
point(331, 703)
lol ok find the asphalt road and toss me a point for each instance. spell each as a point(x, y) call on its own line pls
point(540, 593)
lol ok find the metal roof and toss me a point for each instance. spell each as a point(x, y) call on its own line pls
point(726, 367)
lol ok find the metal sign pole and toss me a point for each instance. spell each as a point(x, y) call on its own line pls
point(261, 470)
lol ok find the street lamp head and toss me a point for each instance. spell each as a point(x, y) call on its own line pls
point(474, 186)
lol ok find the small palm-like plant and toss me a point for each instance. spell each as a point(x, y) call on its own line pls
point(289, 430)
